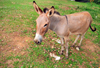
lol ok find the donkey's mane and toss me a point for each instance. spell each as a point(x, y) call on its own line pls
point(46, 9)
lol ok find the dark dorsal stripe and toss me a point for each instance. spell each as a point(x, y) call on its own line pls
point(66, 18)
point(56, 12)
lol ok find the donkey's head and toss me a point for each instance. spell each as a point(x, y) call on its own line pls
point(42, 22)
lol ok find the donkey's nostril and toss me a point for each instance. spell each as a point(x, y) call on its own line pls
point(38, 42)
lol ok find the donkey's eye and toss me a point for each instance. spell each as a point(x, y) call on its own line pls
point(45, 25)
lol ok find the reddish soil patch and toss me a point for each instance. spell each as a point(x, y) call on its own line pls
point(66, 8)
point(91, 46)
point(15, 45)
point(15, 42)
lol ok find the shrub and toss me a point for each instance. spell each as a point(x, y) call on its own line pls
point(97, 1)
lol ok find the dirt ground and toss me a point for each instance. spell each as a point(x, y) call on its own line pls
point(16, 44)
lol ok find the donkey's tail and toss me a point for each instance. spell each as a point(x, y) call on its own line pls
point(92, 28)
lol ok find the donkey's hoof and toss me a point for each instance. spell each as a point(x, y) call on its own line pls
point(66, 57)
point(78, 48)
point(72, 45)
point(60, 53)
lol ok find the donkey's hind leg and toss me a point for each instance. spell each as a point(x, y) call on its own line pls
point(76, 40)
point(82, 36)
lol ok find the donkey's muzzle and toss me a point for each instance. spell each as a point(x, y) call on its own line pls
point(37, 42)
point(38, 39)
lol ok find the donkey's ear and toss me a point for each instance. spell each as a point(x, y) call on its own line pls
point(37, 9)
point(52, 7)
point(50, 12)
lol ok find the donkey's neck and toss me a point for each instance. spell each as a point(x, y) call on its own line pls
point(58, 24)
point(54, 21)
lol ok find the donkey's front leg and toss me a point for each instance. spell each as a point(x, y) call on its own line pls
point(62, 46)
point(66, 46)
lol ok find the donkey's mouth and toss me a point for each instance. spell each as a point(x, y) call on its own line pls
point(38, 42)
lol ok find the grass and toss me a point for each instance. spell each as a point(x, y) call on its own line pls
point(18, 28)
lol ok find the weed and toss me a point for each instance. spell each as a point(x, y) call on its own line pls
point(19, 16)
point(25, 31)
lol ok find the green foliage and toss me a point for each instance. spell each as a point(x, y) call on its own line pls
point(97, 1)
point(25, 31)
